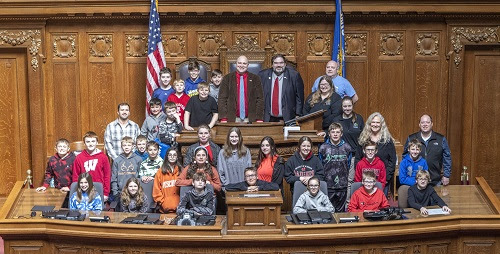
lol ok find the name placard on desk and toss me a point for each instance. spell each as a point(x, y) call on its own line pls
point(257, 195)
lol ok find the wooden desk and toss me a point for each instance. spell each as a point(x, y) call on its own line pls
point(248, 215)
point(474, 227)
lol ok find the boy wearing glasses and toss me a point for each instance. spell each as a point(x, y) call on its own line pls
point(371, 162)
point(252, 184)
point(422, 194)
point(313, 198)
point(369, 197)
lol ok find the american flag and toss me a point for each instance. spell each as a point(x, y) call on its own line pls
point(156, 55)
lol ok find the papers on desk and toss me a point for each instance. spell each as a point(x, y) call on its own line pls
point(436, 211)
point(257, 195)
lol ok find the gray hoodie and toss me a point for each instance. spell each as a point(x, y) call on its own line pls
point(306, 201)
point(123, 168)
point(150, 126)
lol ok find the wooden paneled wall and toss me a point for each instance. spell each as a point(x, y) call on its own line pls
point(399, 70)
point(81, 66)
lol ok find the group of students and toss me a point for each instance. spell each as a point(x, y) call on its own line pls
point(227, 169)
point(194, 100)
point(352, 152)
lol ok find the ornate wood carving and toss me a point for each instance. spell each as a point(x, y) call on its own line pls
point(416, 249)
point(283, 43)
point(246, 42)
point(319, 44)
point(427, 44)
point(174, 44)
point(136, 45)
point(209, 44)
point(64, 46)
point(66, 249)
point(355, 44)
point(437, 248)
point(30, 38)
point(391, 44)
point(101, 45)
point(461, 35)
point(479, 247)
point(394, 250)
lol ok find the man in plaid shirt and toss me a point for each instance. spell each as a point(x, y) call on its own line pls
point(118, 129)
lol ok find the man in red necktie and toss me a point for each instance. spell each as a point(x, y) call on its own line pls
point(240, 95)
point(283, 91)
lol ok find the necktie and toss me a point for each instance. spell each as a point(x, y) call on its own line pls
point(276, 93)
point(242, 98)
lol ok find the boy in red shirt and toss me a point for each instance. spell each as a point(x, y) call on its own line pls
point(180, 98)
point(369, 197)
point(371, 162)
point(93, 161)
point(59, 167)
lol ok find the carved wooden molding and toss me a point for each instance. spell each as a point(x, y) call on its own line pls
point(246, 42)
point(466, 35)
point(391, 44)
point(174, 44)
point(283, 43)
point(64, 46)
point(209, 44)
point(30, 38)
point(319, 44)
point(355, 44)
point(101, 45)
point(416, 249)
point(427, 44)
point(136, 45)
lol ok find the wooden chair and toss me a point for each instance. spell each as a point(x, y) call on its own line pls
point(181, 69)
point(258, 58)
point(403, 196)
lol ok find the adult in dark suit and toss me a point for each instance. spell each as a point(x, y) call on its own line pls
point(283, 90)
point(241, 104)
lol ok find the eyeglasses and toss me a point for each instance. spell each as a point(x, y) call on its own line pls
point(250, 176)
point(313, 186)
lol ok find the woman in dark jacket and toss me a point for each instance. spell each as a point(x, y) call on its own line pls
point(324, 98)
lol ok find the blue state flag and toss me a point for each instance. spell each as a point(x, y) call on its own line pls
point(338, 38)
